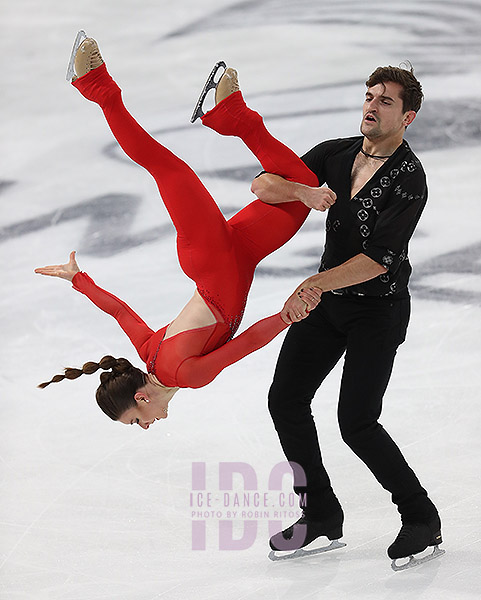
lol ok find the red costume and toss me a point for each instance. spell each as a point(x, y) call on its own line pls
point(219, 256)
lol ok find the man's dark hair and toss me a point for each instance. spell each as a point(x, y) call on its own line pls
point(412, 93)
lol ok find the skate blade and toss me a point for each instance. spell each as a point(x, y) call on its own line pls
point(276, 555)
point(81, 36)
point(415, 562)
point(209, 85)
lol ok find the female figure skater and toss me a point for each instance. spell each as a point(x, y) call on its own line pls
point(219, 256)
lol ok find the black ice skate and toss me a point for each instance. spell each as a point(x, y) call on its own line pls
point(293, 541)
point(413, 539)
point(210, 84)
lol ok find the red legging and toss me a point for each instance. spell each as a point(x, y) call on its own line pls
point(219, 256)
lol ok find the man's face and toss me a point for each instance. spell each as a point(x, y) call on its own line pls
point(383, 115)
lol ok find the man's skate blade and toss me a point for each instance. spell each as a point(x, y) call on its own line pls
point(276, 555)
point(210, 84)
point(412, 561)
point(81, 36)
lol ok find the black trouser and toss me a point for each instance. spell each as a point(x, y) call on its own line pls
point(369, 331)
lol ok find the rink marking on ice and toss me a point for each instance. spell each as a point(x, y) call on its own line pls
point(57, 497)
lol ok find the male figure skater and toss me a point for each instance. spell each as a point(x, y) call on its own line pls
point(375, 196)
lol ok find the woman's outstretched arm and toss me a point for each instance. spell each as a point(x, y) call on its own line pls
point(66, 271)
point(136, 329)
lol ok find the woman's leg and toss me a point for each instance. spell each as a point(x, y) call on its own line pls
point(220, 257)
point(205, 244)
point(262, 228)
point(233, 117)
point(194, 213)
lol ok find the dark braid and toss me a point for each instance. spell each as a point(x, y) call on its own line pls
point(87, 369)
point(118, 383)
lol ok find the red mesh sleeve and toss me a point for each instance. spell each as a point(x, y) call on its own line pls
point(137, 331)
point(198, 371)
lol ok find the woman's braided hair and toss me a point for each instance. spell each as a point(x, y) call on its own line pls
point(118, 384)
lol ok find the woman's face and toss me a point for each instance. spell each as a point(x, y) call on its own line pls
point(144, 413)
point(151, 404)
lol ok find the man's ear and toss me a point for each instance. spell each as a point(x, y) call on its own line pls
point(409, 117)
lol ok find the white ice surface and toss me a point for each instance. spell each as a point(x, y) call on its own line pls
point(91, 509)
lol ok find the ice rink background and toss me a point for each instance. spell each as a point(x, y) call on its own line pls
point(91, 509)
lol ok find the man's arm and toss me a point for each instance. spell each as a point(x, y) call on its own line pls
point(356, 270)
point(273, 189)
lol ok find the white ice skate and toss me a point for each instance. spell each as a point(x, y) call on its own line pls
point(81, 36)
point(210, 84)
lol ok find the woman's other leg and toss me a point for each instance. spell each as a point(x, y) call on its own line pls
point(262, 228)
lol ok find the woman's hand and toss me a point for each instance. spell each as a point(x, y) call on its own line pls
point(300, 304)
point(66, 271)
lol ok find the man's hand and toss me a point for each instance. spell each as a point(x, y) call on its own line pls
point(66, 271)
point(300, 303)
point(320, 198)
point(273, 189)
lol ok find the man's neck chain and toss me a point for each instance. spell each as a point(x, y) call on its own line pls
point(375, 156)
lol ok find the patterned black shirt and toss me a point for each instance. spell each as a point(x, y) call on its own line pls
point(379, 221)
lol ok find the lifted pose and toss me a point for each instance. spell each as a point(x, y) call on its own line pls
point(219, 256)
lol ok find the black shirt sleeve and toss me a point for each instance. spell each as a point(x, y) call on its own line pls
point(315, 159)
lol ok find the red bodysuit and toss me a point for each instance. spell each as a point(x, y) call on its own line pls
point(219, 256)
point(191, 358)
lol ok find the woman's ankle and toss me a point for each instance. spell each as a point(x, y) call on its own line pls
point(97, 85)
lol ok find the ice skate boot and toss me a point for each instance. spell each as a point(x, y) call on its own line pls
point(84, 58)
point(89, 72)
point(293, 541)
point(228, 84)
point(412, 539)
point(210, 84)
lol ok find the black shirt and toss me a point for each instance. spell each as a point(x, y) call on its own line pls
point(379, 221)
